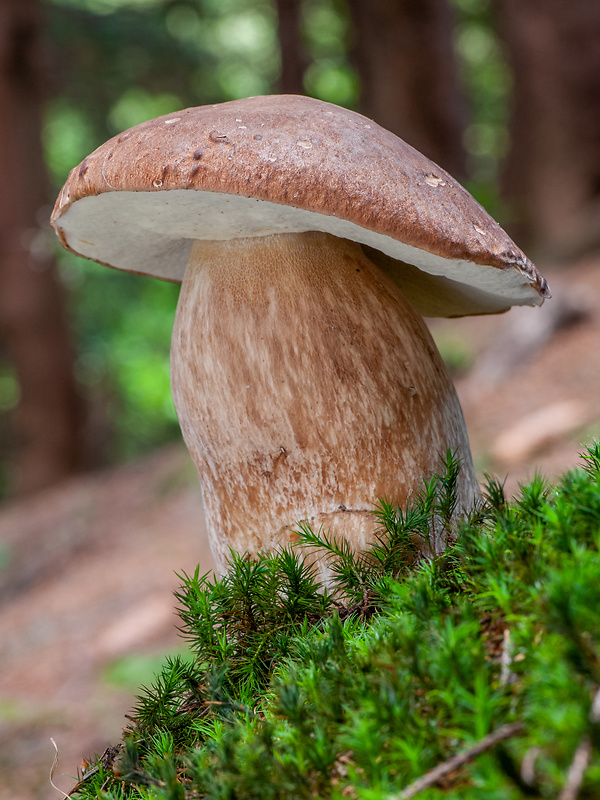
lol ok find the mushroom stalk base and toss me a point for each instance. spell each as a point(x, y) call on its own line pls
point(306, 387)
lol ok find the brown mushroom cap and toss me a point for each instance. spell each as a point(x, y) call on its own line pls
point(280, 164)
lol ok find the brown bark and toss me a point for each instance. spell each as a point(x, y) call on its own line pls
point(409, 84)
point(552, 176)
point(293, 56)
point(32, 320)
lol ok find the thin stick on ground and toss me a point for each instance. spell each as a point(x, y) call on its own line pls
point(459, 760)
point(581, 759)
point(506, 674)
point(577, 769)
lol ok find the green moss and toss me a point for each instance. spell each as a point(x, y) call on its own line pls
point(358, 692)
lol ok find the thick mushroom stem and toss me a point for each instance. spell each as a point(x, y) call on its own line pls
point(306, 387)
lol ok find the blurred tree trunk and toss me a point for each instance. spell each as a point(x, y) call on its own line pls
point(409, 84)
point(552, 176)
point(32, 320)
point(293, 57)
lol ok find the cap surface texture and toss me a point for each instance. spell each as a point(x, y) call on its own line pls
point(279, 164)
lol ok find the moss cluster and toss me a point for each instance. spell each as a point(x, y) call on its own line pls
point(489, 652)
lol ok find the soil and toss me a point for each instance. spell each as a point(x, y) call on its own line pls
point(87, 569)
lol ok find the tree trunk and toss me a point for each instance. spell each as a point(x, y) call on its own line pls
point(552, 176)
point(32, 320)
point(405, 58)
point(293, 56)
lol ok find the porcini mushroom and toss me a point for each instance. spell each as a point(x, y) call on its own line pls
point(309, 242)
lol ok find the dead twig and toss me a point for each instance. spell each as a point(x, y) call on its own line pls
point(528, 765)
point(595, 709)
point(106, 760)
point(459, 760)
point(581, 758)
point(507, 676)
point(577, 769)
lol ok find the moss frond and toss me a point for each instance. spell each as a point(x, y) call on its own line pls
point(483, 660)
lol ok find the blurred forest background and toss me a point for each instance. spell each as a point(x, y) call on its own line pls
point(505, 94)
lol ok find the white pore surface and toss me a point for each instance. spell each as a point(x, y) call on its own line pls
point(152, 233)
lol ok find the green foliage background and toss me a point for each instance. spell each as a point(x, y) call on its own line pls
point(119, 62)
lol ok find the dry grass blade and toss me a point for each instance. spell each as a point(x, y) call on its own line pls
point(53, 769)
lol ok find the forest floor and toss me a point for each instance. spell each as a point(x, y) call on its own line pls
point(87, 569)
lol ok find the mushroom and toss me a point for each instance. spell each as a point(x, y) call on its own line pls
point(310, 242)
